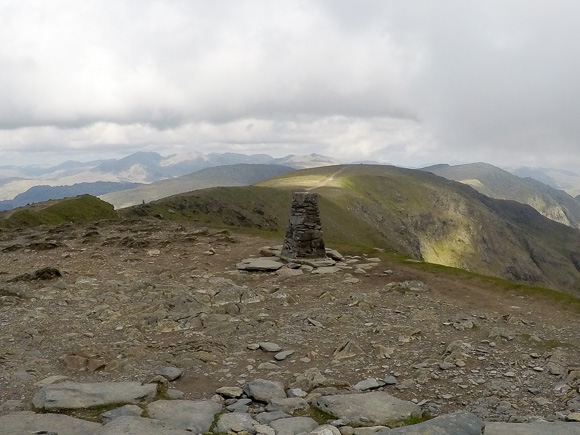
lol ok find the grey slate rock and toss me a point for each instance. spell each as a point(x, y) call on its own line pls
point(123, 411)
point(288, 405)
point(536, 428)
point(262, 264)
point(241, 405)
point(269, 346)
point(368, 409)
point(73, 395)
point(192, 415)
point(236, 422)
point(372, 430)
point(269, 417)
point(264, 390)
point(169, 373)
point(27, 422)
point(368, 384)
point(457, 423)
point(137, 426)
point(293, 425)
point(325, 429)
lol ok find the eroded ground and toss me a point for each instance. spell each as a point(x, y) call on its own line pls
point(138, 295)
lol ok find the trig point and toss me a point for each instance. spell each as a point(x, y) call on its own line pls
point(304, 233)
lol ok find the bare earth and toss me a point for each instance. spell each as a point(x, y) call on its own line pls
point(139, 295)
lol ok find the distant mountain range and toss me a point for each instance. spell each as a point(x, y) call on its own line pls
point(140, 167)
point(231, 175)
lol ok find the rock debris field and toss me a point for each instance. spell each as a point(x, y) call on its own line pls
point(154, 327)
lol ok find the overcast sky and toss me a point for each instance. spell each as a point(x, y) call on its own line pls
point(406, 82)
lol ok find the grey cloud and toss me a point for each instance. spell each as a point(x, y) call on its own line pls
point(481, 80)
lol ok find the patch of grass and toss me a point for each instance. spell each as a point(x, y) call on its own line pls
point(81, 209)
point(547, 345)
point(315, 414)
point(414, 419)
point(90, 414)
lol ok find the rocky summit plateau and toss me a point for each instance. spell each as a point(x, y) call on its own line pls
point(147, 326)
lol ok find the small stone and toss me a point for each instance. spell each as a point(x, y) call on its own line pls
point(390, 380)
point(574, 416)
point(280, 356)
point(269, 347)
point(170, 373)
point(262, 429)
point(446, 365)
point(173, 394)
point(510, 374)
point(233, 392)
point(296, 392)
point(268, 366)
point(127, 410)
point(368, 384)
point(315, 323)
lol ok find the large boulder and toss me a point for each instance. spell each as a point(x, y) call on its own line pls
point(73, 395)
point(457, 423)
point(195, 416)
point(27, 422)
point(293, 425)
point(368, 409)
point(236, 422)
point(264, 390)
point(137, 426)
point(536, 428)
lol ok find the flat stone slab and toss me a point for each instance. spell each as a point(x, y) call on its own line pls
point(195, 416)
point(293, 425)
point(73, 395)
point(261, 264)
point(236, 422)
point(137, 426)
point(123, 411)
point(27, 422)
point(457, 423)
point(325, 270)
point(376, 408)
point(537, 428)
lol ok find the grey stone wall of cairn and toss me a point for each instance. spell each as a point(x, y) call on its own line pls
point(303, 237)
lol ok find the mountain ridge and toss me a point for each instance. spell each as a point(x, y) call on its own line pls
point(414, 213)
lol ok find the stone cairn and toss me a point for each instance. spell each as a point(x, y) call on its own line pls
point(304, 232)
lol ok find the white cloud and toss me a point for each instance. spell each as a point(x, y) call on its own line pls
point(407, 82)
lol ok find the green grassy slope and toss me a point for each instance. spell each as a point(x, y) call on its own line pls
point(409, 212)
point(495, 182)
point(81, 209)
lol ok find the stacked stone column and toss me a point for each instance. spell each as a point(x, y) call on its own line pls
point(304, 232)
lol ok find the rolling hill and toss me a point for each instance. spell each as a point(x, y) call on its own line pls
point(232, 175)
point(412, 213)
point(495, 182)
point(44, 193)
point(139, 167)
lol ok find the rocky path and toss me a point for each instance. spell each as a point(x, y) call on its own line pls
point(138, 296)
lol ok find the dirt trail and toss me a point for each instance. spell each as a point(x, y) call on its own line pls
point(328, 180)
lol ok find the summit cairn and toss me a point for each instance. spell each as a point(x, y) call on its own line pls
point(304, 232)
